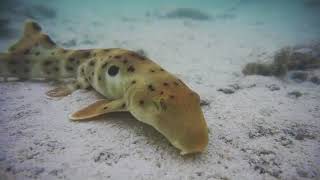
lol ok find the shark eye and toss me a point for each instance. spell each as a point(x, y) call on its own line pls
point(113, 70)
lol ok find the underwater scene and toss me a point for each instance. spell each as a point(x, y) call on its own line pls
point(162, 89)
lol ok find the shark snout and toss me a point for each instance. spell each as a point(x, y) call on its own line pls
point(184, 125)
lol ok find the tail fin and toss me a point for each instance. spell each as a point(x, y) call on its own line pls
point(23, 59)
point(32, 37)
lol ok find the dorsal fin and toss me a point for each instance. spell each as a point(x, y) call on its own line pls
point(32, 36)
point(31, 28)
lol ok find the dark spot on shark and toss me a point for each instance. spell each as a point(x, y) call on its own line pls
point(78, 61)
point(125, 61)
point(133, 82)
point(85, 53)
point(92, 73)
point(56, 69)
point(106, 50)
point(151, 70)
point(69, 68)
point(161, 93)
point(53, 53)
point(176, 83)
point(123, 105)
point(71, 59)
point(131, 69)
point(165, 84)
point(92, 62)
point(37, 53)
point(99, 78)
point(113, 70)
point(78, 86)
point(161, 69)
point(141, 102)
point(47, 63)
point(27, 51)
point(105, 65)
point(151, 88)
point(171, 97)
point(106, 107)
point(12, 62)
point(117, 57)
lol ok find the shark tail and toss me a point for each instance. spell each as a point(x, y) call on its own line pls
point(35, 56)
point(32, 37)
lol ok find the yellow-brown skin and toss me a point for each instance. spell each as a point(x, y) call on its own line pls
point(129, 81)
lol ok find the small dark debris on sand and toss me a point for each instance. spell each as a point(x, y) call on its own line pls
point(189, 13)
point(306, 171)
point(295, 94)
point(109, 157)
point(265, 162)
point(232, 88)
point(299, 76)
point(284, 141)
point(315, 80)
point(300, 132)
point(226, 90)
point(273, 87)
point(260, 131)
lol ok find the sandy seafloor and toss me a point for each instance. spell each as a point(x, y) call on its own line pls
point(254, 133)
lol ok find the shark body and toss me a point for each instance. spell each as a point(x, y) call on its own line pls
point(127, 80)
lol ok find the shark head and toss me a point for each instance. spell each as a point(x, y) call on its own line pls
point(174, 110)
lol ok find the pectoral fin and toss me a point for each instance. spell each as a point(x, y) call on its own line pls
point(59, 92)
point(67, 89)
point(98, 108)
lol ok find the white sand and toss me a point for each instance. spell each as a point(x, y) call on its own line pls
point(255, 133)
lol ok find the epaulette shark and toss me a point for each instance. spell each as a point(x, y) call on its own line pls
point(128, 81)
